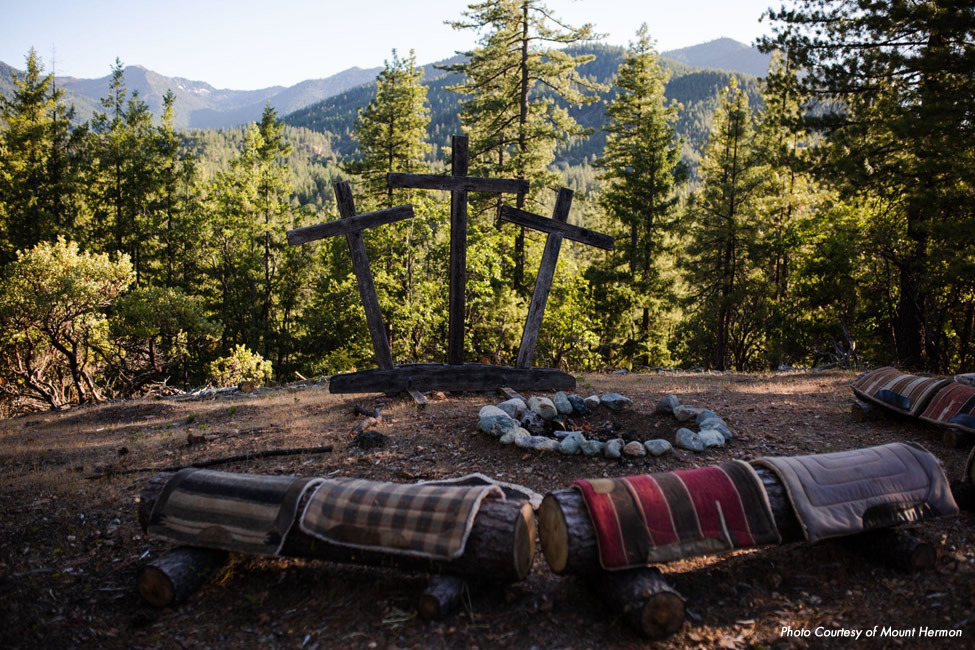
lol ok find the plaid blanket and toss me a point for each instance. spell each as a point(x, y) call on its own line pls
point(650, 518)
point(431, 521)
point(847, 492)
point(235, 512)
point(953, 406)
point(898, 391)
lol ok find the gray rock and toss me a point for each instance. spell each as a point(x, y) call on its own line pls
point(533, 422)
point(497, 425)
point(667, 405)
point(515, 407)
point(657, 446)
point(685, 413)
point(711, 438)
point(578, 405)
point(615, 402)
point(562, 403)
point(546, 444)
point(717, 424)
point(489, 410)
point(509, 437)
point(591, 402)
point(543, 406)
point(613, 448)
point(592, 447)
point(687, 439)
point(705, 414)
point(570, 446)
point(635, 448)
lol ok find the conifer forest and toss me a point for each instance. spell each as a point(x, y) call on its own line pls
point(822, 214)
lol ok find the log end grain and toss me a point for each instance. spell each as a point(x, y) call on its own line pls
point(554, 533)
point(441, 596)
point(172, 577)
point(524, 541)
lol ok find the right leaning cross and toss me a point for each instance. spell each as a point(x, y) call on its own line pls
point(557, 229)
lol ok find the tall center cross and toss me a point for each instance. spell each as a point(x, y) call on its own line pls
point(459, 184)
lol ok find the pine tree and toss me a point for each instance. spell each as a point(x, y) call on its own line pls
point(641, 175)
point(41, 161)
point(518, 82)
point(723, 305)
point(391, 130)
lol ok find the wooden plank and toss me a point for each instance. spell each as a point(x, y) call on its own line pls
point(543, 282)
point(575, 233)
point(438, 376)
point(458, 254)
point(458, 183)
point(508, 393)
point(346, 225)
point(363, 276)
point(418, 397)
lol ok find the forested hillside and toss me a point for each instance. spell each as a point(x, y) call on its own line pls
point(821, 216)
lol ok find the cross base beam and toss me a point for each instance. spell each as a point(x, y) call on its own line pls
point(439, 376)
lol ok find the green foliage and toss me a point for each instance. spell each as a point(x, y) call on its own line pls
point(240, 365)
point(391, 131)
point(53, 328)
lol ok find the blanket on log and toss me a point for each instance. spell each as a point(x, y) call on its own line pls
point(235, 512)
point(898, 391)
point(953, 406)
point(847, 492)
point(650, 518)
point(431, 521)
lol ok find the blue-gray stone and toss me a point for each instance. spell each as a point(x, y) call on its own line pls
point(711, 438)
point(515, 407)
point(615, 402)
point(685, 413)
point(533, 422)
point(635, 448)
point(705, 414)
point(543, 406)
point(489, 410)
point(657, 446)
point(687, 439)
point(569, 446)
point(592, 447)
point(509, 437)
point(562, 403)
point(667, 404)
point(717, 424)
point(497, 425)
point(613, 448)
point(578, 405)
point(591, 402)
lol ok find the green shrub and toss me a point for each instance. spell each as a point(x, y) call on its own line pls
point(240, 365)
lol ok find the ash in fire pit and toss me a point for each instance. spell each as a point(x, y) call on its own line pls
point(601, 425)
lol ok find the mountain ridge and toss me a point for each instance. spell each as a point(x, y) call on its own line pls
point(201, 105)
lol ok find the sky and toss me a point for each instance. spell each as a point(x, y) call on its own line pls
point(246, 44)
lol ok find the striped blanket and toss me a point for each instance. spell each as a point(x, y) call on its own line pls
point(431, 521)
point(953, 406)
point(235, 512)
point(651, 518)
point(848, 492)
point(898, 391)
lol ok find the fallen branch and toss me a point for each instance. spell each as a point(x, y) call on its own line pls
point(373, 418)
point(268, 453)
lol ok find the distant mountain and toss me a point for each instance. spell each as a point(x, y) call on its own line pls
point(723, 54)
point(198, 104)
point(695, 89)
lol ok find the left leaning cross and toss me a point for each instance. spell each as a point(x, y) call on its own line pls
point(351, 225)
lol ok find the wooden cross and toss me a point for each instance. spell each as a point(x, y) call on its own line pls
point(557, 229)
point(351, 225)
point(459, 184)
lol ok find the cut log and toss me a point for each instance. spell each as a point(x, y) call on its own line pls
point(957, 439)
point(441, 596)
point(171, 578)
point(865, 411)
point(895, 548)
point(569, 544)
point(501, 545)
point(964, 493)
point(646, 601)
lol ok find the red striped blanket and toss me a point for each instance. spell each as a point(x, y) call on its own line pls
point(953, 406)
point(651, 518)
point(898, 391)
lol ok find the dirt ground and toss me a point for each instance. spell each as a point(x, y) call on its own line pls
point(70, 544)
